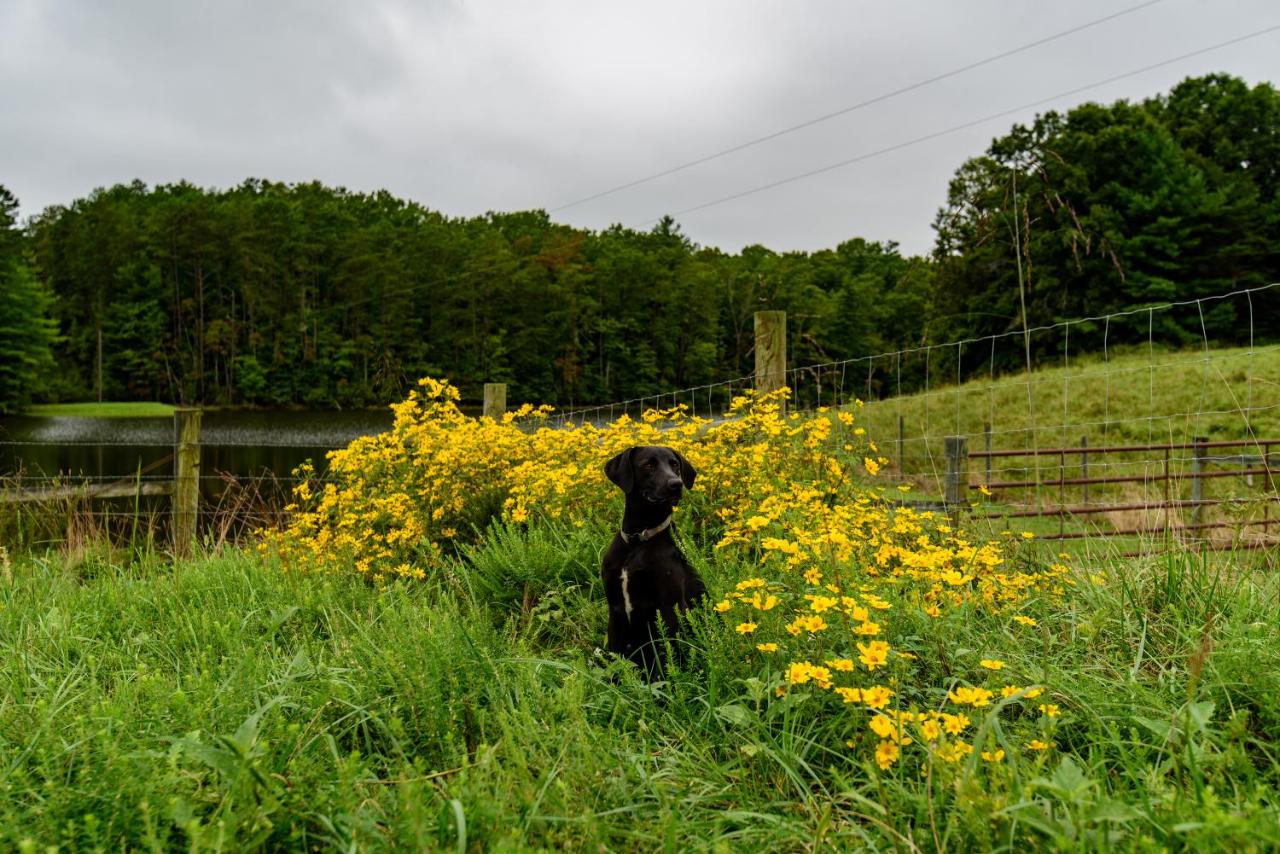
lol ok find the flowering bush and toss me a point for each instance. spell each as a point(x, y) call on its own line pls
point(840, 576)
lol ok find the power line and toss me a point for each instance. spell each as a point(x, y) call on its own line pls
point(955, 128)
point(461, 276)
point(858, 106)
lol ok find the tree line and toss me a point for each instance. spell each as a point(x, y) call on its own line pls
point(276, 294)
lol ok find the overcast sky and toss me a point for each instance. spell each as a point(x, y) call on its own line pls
point(470, 106)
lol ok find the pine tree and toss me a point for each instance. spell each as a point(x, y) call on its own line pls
point(26, 331)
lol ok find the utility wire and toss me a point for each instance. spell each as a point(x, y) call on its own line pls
point(858, 106)
point(955, 128)
point(514, 261)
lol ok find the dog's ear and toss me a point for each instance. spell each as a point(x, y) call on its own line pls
point(620, 471)
point(687, 471)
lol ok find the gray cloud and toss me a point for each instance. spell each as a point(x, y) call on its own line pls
point(470, 106)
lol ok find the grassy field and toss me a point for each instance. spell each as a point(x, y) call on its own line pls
point(105, 409)
point(1130, 398)
point(428, 675)
point(223, 705)
point(1133, 398)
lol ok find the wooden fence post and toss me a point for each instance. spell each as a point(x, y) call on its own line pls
point(1198, 453)
point(186, 478)
point(495, 400)
point(956, 483)
point(771, 350)
point(902, 441)
point(986, 446)
point(1084, 468)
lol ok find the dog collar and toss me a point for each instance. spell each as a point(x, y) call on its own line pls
point(647, 533)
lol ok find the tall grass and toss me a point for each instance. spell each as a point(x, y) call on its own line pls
point(223, 705)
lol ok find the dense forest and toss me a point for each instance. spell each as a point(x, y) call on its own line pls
point(275, 294)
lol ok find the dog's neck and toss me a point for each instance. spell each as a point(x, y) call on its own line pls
point(641, 515)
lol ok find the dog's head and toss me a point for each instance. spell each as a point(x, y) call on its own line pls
point(658, 475)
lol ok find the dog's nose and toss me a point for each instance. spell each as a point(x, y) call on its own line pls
point(674, 487)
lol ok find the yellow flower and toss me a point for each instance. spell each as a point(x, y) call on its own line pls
point(877, 696)
point(1037, 744)
point(745, 628)
point(976, 697)
point(1026, 621)
point(873, 654)
point(992, 663)
point(723, 605)
point(843, 664)
point(806, 623)
point(767, 647)
point(930, 730)
point(886, 754)
point(882, 726)
point(954, 724)
point(873, 467)
point(850, 695)
point(1050, 709)
point(994, 756)
point(755, 523)
point(799, 672)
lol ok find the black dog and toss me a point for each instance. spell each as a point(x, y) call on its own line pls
point(645, 573)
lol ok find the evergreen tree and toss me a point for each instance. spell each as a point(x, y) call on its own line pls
point(26, 331)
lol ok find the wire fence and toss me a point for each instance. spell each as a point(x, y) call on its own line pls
point(1135, 389)
point(1135, 383)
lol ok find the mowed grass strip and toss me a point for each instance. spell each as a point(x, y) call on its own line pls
point(105, 409)
point(224, 705)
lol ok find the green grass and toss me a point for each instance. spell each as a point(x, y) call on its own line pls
point(223, 705)
point(1131, 398)
point(1134, 397)
point(106, 409)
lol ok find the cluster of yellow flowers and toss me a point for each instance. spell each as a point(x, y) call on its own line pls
point(841, 571)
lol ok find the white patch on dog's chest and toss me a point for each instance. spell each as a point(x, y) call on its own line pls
point(626, 596)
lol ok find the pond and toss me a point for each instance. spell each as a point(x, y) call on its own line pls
point(235, 443)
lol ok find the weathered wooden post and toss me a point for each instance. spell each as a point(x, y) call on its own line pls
point(902, 441)
point(1198, 453)
point(955, 487)
point(1084, 467)
point(771, 350)
point(186, 478)
point(495, 400)
point(986, 445)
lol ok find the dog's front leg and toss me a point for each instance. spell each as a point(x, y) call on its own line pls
point(617, 639)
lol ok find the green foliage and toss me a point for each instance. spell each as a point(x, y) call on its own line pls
point(220, 704)
point(1110, 207)
point(274, 294)
point(27, 332)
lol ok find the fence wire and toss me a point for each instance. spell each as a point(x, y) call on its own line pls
point(1122, 379)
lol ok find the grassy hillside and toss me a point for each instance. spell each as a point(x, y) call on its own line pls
point(1134, 397)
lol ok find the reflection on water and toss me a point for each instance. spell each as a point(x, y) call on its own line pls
point(238, 443)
